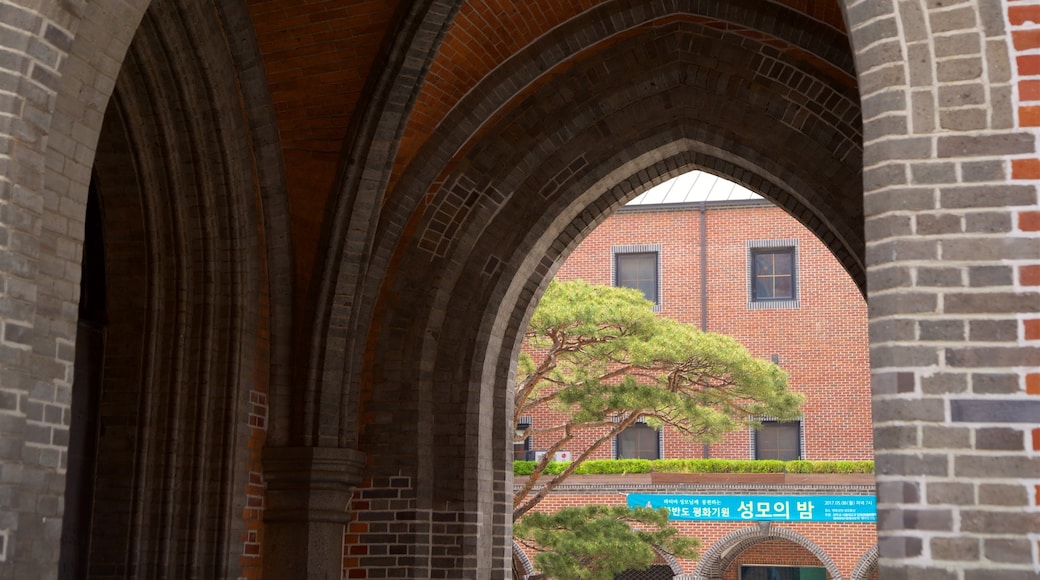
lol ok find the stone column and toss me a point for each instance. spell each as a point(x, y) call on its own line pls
point(305, 510)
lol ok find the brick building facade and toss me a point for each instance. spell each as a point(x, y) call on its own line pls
point(817, 331)
point(323, 225)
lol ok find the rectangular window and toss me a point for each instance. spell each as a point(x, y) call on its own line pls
point(780, 440)
point(640, 441)
point(522, 441)
point(638, 270)
point(783, 573)
point(772, 274)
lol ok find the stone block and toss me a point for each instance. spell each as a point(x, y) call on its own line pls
point(941, 330)
point(996, 196)
point(940, 277)
point(959, 69)
point(981, 276)
point(993, 330)
point(888, 226)
point(995, 383)
point(1002, 522)
point(996, 466)
point(955, 45)
point(992, 303)
point(985, 145)
point(899, 546)
point(887, 278)
point(943, 437)
point(898, 492)
point(898, 199)
point(903, 303)
point(950, 493)
point(988, 222)
point(1005, 550)
point(1000, 439)
point(903, 356)
point(892, 331)
point(932, 173)
point(911, 464)
point(896, 437)
point(955, 548)
point(1003, 494)
point(904, 571)
point(991, 572)
point(977, 171)
point(944, 383)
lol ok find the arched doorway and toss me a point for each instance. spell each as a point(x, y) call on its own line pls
point(718, 561)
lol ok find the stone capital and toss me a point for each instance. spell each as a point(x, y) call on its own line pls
point(310, 484)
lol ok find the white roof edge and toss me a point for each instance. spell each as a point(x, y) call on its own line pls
point(693, 187)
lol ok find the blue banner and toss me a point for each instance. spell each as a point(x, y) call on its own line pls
point(751, 508)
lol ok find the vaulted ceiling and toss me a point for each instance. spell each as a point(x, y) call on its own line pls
point(322, 58)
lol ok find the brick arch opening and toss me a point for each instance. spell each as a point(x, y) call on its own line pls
point(867, 566)
point(178, 208)
point(717, 559)
point(909, 119)
point(473, 237)
point(522, 566)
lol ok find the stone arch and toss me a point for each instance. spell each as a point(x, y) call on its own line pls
point(179, 185)
point(866, 567)
point(915, 121)
point(714, 562)
point(522, 566)
point(477, 201)
point(44, 184)
point(350, 233)
point(666, 560)
point(176, 180)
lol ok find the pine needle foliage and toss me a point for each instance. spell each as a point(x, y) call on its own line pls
point(601, 358)
point(597, 542)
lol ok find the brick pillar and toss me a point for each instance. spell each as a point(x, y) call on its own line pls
point(308, 489)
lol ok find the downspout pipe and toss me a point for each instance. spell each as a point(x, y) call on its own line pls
point(704, 284)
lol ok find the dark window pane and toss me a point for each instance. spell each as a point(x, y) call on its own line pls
point(638, 442)
point(763, 264)
point(657, 572)
point(638, 271)
point(776, 440)
point(762, 288)
point(772, 274)
point(782, 573)
point(522, 448)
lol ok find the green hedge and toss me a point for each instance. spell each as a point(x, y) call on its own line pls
point(623, 466)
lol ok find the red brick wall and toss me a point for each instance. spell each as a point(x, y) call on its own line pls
point(844, 543)
point(822, 345)
point(1024, 17)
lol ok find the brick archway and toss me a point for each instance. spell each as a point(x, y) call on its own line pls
point(714, 562)
point(491, 232)
point(867, 566)
point(425, 284)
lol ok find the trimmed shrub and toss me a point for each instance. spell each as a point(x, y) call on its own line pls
point(623, 466)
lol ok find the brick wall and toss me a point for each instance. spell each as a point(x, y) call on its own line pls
point(822, 344)
point(1024, 20)
point(842, 543)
